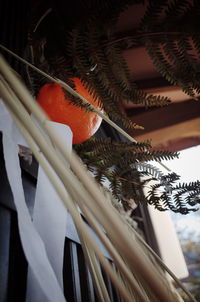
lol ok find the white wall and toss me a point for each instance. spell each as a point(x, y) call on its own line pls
point(168, 242)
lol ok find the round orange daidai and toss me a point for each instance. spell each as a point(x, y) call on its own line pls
point(83, 124)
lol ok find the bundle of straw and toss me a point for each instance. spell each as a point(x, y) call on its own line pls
point(140, 273)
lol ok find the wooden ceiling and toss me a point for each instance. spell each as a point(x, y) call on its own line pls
point(176, 126)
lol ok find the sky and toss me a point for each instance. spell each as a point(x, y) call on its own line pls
point(188, 167)
point(188, 164)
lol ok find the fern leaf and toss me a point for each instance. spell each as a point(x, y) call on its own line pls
point(160, 62)
point(152, 14)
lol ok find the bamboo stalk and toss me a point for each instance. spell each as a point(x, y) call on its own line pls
point(108, 217)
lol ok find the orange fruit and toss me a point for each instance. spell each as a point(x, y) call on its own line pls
point(83, 124)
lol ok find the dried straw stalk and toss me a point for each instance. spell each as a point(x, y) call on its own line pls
point(16, 109)
point(92, 202)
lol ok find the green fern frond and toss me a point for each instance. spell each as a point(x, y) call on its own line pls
point(191, 64)
point(160, 62)
point(148, 169)
point(178, 56)
point(180, 198)
point(137, 96)
point(152, 14)
point(124, 171)
point(176, 9)
point(99, 176)
point(89, 48)
point(157, 155)
point(116, 189)
point(121, 154)
point(196, 41)
point(105, 145)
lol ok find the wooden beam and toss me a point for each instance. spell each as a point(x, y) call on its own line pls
point(158, 118)
point(187, 129)
point(179, 143)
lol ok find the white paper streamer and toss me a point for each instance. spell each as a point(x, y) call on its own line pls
point(49, 218)
point(32, 243)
